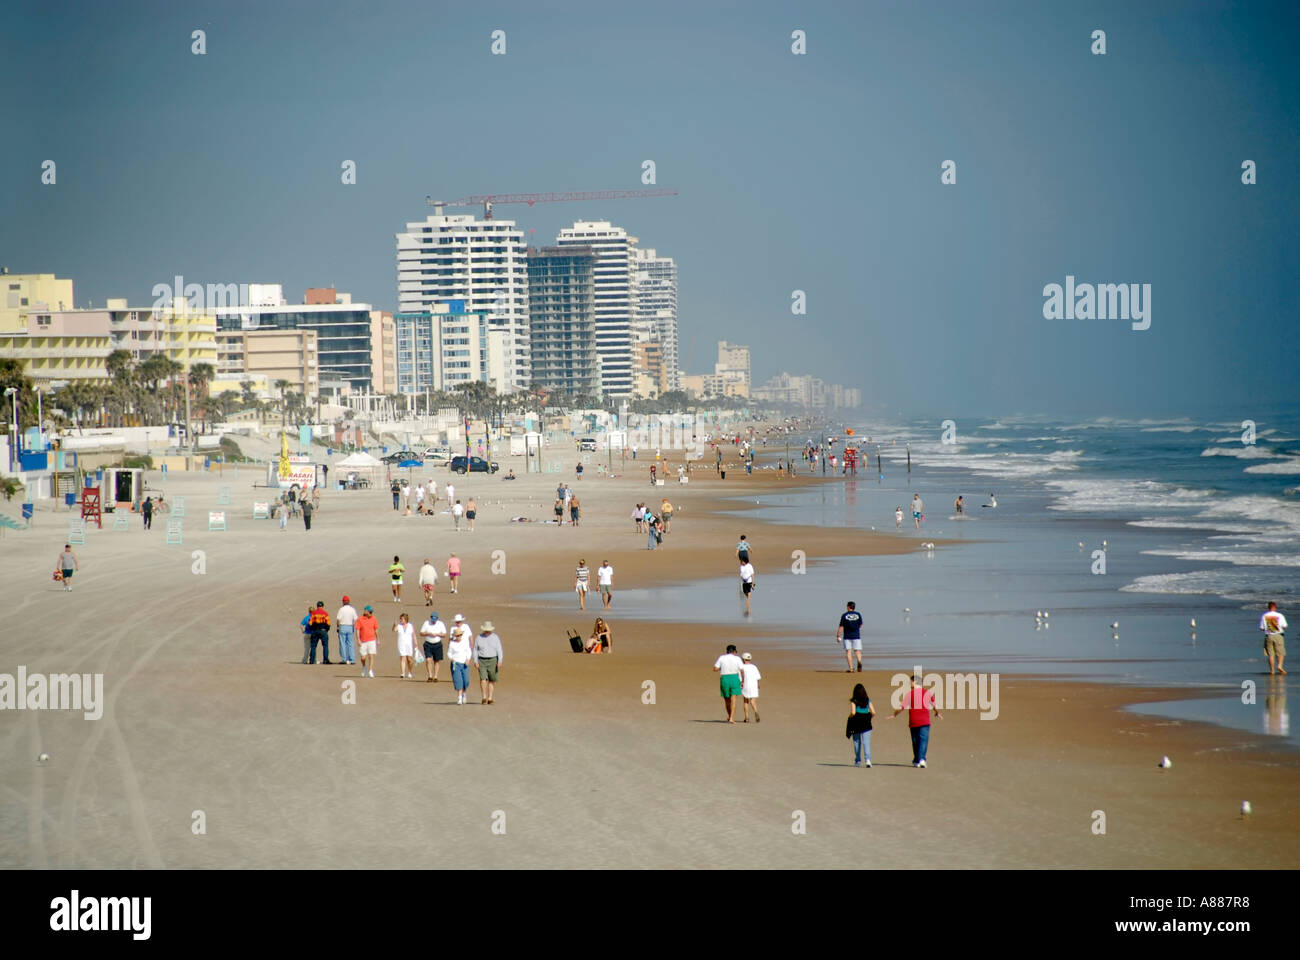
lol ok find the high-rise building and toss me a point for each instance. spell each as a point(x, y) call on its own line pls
point(383, 352)
point(562, 319)
point(656, 309)
point(615, 282)
point(269, 356)
point(440, 349)
point(482, 262)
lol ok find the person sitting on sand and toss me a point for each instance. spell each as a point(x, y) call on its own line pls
point(510, 475)
point(601, 640)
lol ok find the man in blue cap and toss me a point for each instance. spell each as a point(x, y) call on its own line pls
point(434, 633)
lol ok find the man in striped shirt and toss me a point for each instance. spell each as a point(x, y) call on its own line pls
point(581, 578)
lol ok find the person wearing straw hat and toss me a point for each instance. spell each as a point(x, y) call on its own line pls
point(488, 654)
point(459, 652)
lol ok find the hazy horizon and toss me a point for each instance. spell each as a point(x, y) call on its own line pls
point(817, 172)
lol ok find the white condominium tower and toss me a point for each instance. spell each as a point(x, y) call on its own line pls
point(615, 282)
point(656, 308)
point(482, 262)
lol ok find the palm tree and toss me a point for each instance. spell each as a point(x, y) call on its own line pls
point(227, 402)
point(282, 386)
point(12, 375)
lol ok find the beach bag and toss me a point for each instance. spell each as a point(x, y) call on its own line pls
point(58, 575)
point(659, 535)
point(419, 655)
point(575, 641)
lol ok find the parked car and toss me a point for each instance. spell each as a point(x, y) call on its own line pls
point(587, 443)
point(436, 456)
point(473, 465)
point(399, 457)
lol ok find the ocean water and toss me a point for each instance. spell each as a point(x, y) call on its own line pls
point(1186, 521)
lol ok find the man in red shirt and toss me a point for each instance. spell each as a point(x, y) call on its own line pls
point(918, 702)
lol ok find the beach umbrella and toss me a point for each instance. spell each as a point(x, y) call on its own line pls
point(285, 469)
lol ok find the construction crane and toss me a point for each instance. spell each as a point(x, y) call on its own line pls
point(488, 201)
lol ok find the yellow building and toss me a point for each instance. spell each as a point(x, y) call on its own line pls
point(189, 335)
point(61, 345)
point(26, 291)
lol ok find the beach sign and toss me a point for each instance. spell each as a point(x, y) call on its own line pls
point(178, 507)
point(121, 521)
point(223, 496)
point(216, 520)
point(261, 510)
point(76, 530)
point(174, 534)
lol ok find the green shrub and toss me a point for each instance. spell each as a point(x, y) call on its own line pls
point(137, 463)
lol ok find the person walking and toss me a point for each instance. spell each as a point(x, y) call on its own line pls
point(605, 580)
point(368, 635)
point(858, 726)
point(742, 550)
point(306, 633)
point(405, 631)
point(559, 512)
point(749, 679)
point(1274, 626)
point(471, 511)
point(568, 497)
point(918, 702)
point(898, 518)
point(66, 565)
point(457, 511)
point(428, 579)
point(459, 651)
point(406, 498)
point(396, 489)
point(746, 583)
point(284, 514)
point(850, 634)
point(575, 510)
point(653, 536)
point(959, 505)
point(638, 516)
point(728, 666)
point(395, 572)
point(666, 512)
point(581, 580)
point(917, 506)
point(346, 619)
point(307, 509)
point(453, 572)
point(146, 512)
point(433, 632)
point(489, 654)
point(319, 625)
point(419, 499)
point(451, 494)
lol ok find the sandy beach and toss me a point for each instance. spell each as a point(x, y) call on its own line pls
point(211, 718)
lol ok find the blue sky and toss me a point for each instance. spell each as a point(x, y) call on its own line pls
point(818, 172)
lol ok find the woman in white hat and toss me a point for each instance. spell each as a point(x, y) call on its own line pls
point(459, 652)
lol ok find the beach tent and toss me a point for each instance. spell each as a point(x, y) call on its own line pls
point(362, 464)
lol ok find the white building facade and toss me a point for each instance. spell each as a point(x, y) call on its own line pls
point(482, 262)
point(615, 282)
point(656, 308)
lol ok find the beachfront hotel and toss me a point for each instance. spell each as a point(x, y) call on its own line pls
point(562, 323)
point(446, 346)
point(343, 341)
point(615, 279)
point(481, 262)
point(656, 314)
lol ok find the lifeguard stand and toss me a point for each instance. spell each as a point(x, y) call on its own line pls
point(851, 460)
point(90, 506)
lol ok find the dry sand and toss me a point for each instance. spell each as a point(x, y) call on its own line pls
point(208, 709)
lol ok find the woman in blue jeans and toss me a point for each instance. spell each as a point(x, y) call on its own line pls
point(858, 727)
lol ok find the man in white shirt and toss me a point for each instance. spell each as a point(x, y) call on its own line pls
point(729, 666)
point(917, 507)
point(434, 632)
point(428, 579)
point(605, 579)
point(419, 499)
point(746, 582)
point(347, 623)
point(1274, 626)
point(749, 677)
point(457, 511)
point(451, 493)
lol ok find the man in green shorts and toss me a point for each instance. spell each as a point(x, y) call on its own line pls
point(729, 666)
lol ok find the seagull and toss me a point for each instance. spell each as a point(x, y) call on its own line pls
point(1166, 763)
point(1115, 625)
point(1193, 623)
point(1046, 614)
point(907, 609)
point(1080, 544)
point(1038, 615)
point(1103, 544)
point(1245, 808)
